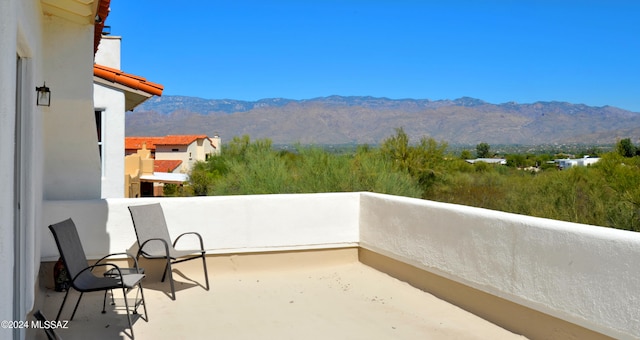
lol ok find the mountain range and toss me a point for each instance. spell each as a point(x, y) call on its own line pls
point(369, 120)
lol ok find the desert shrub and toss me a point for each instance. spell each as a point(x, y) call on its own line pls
point(424, 161)
point(485, 189)
point(255, 169)
point(170, 190)
point(606, 193)
point(621, 177)
point(372, 172)
point(318, 171)
point(204, 175)
point(575, 195)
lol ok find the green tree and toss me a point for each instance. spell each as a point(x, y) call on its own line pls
point(422, 161)
point(626, 148)
point(170, 190)
point(396, 148)
point(237, 147)
point(516, 161)
point(482, 150)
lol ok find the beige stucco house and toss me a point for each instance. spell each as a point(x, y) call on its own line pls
point(171, 159)
point(188, 149)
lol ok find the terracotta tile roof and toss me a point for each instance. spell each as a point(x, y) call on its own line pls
point(181, 139)
point(135, 143)
point(129, 80)
point(166, 165)
point(103, 12)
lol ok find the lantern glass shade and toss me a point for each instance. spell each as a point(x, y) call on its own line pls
point(43, 96)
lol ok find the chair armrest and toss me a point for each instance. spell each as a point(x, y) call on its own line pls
point(91, 268)
point(166, 245)
point(135, 260)
point(190, 233)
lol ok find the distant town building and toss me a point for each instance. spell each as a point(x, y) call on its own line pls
point(567, 163)
point(500, 161)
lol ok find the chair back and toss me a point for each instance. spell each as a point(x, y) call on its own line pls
point(71, 251)
point(149, 222)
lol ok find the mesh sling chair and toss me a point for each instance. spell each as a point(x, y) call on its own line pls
point(154, 241)
point(81, 273)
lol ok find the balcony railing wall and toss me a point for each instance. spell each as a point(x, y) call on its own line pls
point(228, 224)
point(582, 274)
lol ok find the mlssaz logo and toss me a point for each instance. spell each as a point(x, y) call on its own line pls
point(50, 324)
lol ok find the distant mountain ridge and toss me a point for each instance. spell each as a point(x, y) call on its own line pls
point(364, 119)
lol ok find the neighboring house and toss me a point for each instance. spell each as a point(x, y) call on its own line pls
point(166, 165)
point(188, 149)
point(172, 157)
point(115, 92)
point(145, 177)
point(133, 144)
point(49, 152)
point(500, 161)
point(567, 163)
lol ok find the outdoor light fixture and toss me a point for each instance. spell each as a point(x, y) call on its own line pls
point(44, 95)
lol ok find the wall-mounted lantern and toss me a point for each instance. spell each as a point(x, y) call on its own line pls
point(43, 96)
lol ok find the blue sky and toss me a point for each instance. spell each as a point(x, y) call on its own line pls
point(499, 51)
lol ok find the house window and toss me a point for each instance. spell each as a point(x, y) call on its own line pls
point(99, 114)
point(175, 150)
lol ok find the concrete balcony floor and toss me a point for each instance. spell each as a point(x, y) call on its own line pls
point(302, 295)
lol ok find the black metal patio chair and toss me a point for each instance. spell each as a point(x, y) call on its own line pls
point(81, 273)
point(154, 241)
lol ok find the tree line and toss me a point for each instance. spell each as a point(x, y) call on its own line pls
point(606, 193)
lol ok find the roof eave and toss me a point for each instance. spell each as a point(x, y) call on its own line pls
point(133, 97)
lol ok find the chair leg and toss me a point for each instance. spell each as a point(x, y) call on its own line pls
point(167, 269)
point(166, 266)
point(126, 305)
point(104, 302)
point(144, 303)
point(62, 306)
point(76, 307)
point(206, 275)
point(173, 288)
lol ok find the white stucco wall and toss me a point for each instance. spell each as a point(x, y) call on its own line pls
point(44, 45)
point(207, 148)
point(194, 151)
point(112, 101)
point(109, 51)
point(72, 162)
point(228, 224)
point(583, 274)
point(217, 144)
point(8, 39)
point(20, 36)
